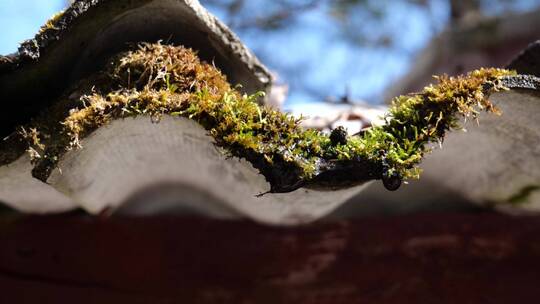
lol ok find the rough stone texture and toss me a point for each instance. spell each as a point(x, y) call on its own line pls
point(475, 258)
point(80, 41)
point(523, 82)
point(528, 61)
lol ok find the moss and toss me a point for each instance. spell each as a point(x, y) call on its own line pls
point(414, 121)
point(159, 79)
point(523, 195)
point(51, 24)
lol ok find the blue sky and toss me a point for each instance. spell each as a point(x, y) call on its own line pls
point(310, 55)
point(21, 19)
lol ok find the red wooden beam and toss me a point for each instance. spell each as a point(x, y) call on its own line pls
point(444, 258)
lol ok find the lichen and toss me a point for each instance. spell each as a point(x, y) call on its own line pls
point(523, 195)
point(156, 80)
point(51, 31)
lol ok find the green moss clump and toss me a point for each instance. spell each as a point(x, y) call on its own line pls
point(160, 79)
point(416, 120)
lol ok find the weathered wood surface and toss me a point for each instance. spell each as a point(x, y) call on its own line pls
point(445, 258)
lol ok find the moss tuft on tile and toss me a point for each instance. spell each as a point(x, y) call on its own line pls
point(156, 80)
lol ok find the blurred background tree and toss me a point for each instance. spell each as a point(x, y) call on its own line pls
point(326, 49)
